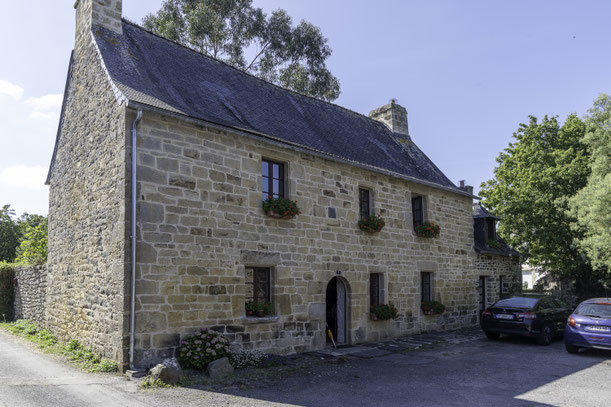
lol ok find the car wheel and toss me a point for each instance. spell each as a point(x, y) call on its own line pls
point(546, 336)
point(571, 348)
point(493, 335)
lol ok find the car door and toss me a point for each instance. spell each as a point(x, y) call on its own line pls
point(546, 310)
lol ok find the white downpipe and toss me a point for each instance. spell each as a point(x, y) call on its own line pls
point(132, 308)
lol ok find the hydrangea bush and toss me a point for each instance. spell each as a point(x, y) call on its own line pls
point(197, 351)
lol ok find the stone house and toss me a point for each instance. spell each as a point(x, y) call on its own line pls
point(497, 264)
point(186, 221)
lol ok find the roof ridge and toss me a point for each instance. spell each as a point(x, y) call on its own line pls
point(253, 76)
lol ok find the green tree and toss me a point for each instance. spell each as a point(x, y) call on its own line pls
point(530, 191)
point(9, 234)
point(33, 247)
point(592, 204)
point(241, 35)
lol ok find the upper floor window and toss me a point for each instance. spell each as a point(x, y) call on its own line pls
point(364, 203)
point(273, 179)
point(417, 211)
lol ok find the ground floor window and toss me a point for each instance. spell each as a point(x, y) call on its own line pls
point(258, 284)
point(426, 286)
point(375, 289)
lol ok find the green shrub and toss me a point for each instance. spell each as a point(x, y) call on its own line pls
point(7, 275)
point(384, 312)
point(197, 351)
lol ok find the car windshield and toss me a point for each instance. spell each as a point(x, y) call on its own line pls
point(517, 302)
point(594, 310)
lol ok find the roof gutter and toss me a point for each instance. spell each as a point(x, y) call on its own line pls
point(293, 146)
point(132, 305)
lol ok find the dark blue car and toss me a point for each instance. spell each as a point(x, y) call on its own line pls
point(589, 326)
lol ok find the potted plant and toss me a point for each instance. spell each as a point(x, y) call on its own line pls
point(280, 208)
point(372, 224)
point(432, 307)
point(428, 230)
point(383, 312)
point(258, 308)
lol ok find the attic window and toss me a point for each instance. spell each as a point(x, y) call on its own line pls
point(491, 229)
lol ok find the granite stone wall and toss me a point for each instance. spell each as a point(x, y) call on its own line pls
point(200, 224)
point(87, 262)
point(30, 293)
point(496, 268)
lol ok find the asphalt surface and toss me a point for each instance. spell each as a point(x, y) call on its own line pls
point(508, 372)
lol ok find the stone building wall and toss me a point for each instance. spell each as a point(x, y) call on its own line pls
point(87, 260)
point(30, 293)
point(495, 266)
point(200, 223)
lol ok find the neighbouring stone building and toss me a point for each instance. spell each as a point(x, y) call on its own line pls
point(212, 143)
point(497, 264)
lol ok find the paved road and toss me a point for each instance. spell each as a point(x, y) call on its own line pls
point(28, 378)
point(509, 372)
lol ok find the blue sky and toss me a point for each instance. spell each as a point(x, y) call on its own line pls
point(468, 73)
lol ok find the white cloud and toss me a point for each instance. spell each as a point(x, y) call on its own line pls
point(46, 102)
point(24, 177)
point(12, 90)
point(44, 116)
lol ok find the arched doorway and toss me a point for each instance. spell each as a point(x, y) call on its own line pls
point(337, 310)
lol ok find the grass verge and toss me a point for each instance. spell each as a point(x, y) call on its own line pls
point(72, 350)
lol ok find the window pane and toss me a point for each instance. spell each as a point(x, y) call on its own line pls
point(264, 168)
point(276, 187)
point(374, 289)
point(364, 208)
point(426, 286)
point(417, 211)
point(276, 170)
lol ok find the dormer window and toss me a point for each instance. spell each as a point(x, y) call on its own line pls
point(491, 229)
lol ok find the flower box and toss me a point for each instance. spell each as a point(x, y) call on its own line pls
point(432, 308)
point(493, 244)
point(258, 309)
point(428, 230)
point(383, 312)
point(280, 208)
point(372, 224)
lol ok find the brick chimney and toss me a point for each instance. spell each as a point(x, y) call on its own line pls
point(103, 13)
point(393, 115)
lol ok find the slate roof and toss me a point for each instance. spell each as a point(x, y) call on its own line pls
point(152, 71)
point(480, 212)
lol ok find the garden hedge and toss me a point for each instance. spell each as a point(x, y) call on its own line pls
point(7, 275)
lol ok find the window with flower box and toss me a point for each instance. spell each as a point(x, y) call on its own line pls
point(364, 203)
point(273, 179)
point(375, 289)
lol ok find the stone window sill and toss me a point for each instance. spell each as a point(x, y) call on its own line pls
point(259, 320)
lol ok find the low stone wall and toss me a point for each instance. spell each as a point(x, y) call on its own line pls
point(30, 293)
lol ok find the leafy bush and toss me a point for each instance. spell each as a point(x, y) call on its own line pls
point(253, 306)
point(433, 307)
point(384, 312)
point(372, 224)
point(428, 229)
point(33, 247)
point(7, 275)
point(281, 208)
point(202, 348)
